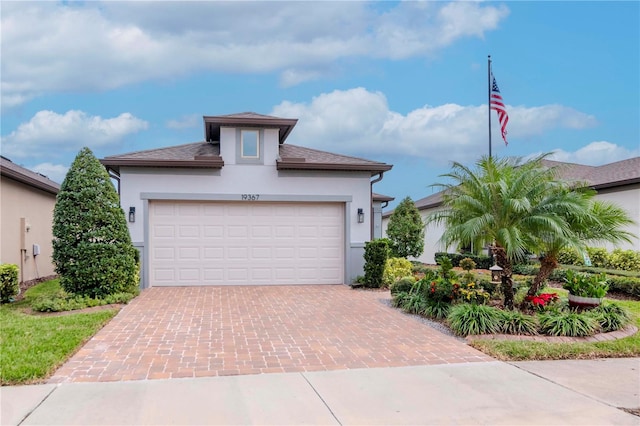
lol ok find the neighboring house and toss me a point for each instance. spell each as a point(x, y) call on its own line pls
point(617, 182)
point(243, 207)
point(26, 216)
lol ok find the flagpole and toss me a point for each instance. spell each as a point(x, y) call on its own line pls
point(489, 98)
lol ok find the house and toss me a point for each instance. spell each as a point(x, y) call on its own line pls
point(617, 182)
point(242, 207)
point(26, 216)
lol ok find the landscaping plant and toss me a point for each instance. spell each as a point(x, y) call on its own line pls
point(568, 323)
point(516, 322)
point(376, 253)
point(92, 249)
point(586, 285)
point(504, 203)
point(611, 316)
point(465, 319)
point(406, 230)
point(9, 284)
point(396, 268)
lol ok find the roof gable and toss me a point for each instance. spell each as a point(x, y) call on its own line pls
point(213, 123)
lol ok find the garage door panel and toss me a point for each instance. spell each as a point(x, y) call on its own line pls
point(216, 243)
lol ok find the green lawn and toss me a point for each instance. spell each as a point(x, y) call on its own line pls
point(33, 346)
point(528, 351)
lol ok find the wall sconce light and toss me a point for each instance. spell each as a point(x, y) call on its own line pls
point(360, 216)
point(132, 214)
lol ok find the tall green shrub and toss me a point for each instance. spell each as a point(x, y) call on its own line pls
point(376, 253)
point(9, 284)
point(92, 249)
point(406, 230)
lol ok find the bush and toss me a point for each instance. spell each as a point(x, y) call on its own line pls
point(406, 230)
point(466, 319)
point(9, 284)
point(64, 302)
point(396, 268)
point(437, 310)
point(515, 322)
point(572, 324)
point(467, 264)
point(526, 269)
point(599, 257)
point(558, 274)
point(568, 256)
point(610, 316)
point(92, 249)
point(488, 285)
point(627, 260)
point(376, 253)
point(402, 285)
point(628, 285)
point(482, 262)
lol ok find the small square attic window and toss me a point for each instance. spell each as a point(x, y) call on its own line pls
point(250, 144)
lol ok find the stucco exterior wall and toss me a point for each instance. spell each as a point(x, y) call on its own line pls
point(22, 201)
point(627, 197)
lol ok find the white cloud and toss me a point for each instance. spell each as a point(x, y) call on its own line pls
point(357, 120)
point(82, 46)
point(55, 172)
point(51, 134)
point(596, 154)
point(185, 122)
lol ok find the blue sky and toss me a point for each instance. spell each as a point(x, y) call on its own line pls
point(399, 82)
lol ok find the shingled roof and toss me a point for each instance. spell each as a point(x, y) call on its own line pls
point(18, 173)
point(207, 155)
point(192, 155)
point(213, 123)
point(620, 173)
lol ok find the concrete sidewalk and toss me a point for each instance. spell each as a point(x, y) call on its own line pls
point(473, 393)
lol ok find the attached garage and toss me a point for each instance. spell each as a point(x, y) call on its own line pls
point(242, 207)
point(246, 243)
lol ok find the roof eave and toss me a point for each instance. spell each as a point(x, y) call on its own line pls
point(28, 180)
point(616, 183)
point(301, 165)
point(215, 162)
point(285, 125)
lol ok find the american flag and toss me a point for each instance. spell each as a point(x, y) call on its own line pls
point(498, 104)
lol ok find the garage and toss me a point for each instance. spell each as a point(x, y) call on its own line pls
point(245, 243)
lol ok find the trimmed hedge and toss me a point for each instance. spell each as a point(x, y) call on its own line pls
point(9, 284)
point(376, 253)
point(482, 262)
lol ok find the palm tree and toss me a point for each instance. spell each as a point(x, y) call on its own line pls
point(593, 221)
point(504, 203)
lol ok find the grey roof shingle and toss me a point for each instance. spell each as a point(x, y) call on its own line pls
point(206, 154)
point(13, 171)
point(609, 175)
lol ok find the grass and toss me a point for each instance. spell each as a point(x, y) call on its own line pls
point(34, 346)
point(529, 351)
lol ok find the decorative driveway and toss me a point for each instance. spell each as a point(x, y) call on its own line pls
point(215, 331)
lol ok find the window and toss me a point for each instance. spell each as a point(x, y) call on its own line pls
point(250, 144)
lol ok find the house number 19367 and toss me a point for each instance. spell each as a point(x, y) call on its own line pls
point(250, 197)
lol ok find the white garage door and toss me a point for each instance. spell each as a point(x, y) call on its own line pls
point(223, 243)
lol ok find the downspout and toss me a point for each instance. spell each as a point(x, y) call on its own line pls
point(378, 179)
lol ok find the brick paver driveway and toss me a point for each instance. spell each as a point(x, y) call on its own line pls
point(210, 331)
